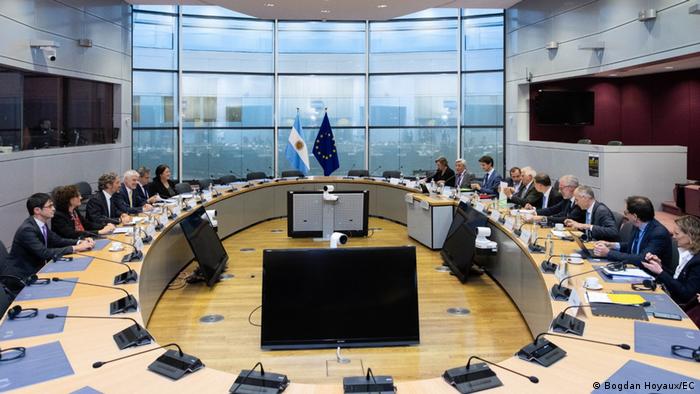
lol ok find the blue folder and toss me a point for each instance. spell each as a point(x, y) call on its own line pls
point(40, 363)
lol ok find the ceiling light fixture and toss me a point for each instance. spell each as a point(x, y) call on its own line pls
point(382, 6)
point(669, 67)
point(325, 11)
point(269, 4)
point(612, 75)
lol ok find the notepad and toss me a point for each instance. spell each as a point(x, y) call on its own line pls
point(123, 230)
point(628, 272)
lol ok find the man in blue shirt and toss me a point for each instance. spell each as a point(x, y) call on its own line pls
point(649, 236)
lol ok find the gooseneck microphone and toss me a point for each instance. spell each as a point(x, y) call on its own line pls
point(620, 345)
point(375, 170)
point(249, 381)
point(546, 353)
point(127, 277)
point(548, 266)
point(247, 375)
point(121, 305)
point(54, 316)
point(131, 336)
point(532, 379)
point(98, 364)
point(136, 255)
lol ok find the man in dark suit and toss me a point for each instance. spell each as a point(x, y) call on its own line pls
point(142, 185)
point(599, 221)
point(127, 199)
point(649, 236)
point(550, 196)
point(443, 173)
point(515, 179)
point(492, 179)
point(34, 243)
point(528, 194)
point(101, 208)
point(463, 178)
point(566, 208)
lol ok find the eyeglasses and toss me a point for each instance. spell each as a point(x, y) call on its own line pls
point(16, 312)
point(686, 352)
point(12, 353)
point(49, 205)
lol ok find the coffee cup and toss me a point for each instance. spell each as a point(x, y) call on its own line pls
point(592, 283)
point(559, 226)
point(116, 246)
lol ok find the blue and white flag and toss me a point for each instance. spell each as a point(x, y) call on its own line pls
point(296, 153)
point(324, 148)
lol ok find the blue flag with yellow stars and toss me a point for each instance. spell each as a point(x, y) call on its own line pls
point(324, 148)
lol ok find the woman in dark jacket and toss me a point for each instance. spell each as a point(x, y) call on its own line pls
point(67, 221)
point(684, 284)
point(162, 185)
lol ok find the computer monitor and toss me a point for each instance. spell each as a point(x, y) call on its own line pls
point(347, 297)
point(205, 244)
point(459, 247)
point(473, 218)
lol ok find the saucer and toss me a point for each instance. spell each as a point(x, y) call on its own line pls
point(573, 260)
point(116, 249)
point(599, 287)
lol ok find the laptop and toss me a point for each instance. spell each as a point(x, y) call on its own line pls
point(585, 252)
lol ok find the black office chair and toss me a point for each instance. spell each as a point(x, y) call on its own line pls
point(6, 293)
point(3, 254)
point(255, 175)
point(675, 256)
point(292, 174)
point(358, 173)
point(391, 174)
point(584, 141)
point(183, 187)
point(204, 183)
point(5, 299)
point(619, 218)
point(85, 190)
point(226, 179)
point(614, 142)
point(626, 232)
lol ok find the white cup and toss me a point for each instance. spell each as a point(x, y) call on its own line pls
point(592, 283)
point(116, 246)
point(559, 226)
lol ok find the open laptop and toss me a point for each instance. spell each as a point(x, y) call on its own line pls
point(585, 252)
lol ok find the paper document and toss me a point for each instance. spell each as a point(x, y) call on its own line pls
point(123, 230)
point(609, 298)
point(559, 233)
point(628, 272)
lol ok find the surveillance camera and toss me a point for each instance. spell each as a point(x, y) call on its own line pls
point(328, 188)
point(49, 53)
point(338, 238)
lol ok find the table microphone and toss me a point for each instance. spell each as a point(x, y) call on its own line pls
point(131, 336)
point(126, 277)
point(548, 266)
point(121, 305)
point(572, 325)
point(478, 377)
point(136, 255)
point(532, 379)
point(375, 170)
point(98, 364)
point(562, 293)
point(547, 353)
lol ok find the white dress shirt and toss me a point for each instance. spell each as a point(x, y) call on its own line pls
point(684, 257)
point(109, 198)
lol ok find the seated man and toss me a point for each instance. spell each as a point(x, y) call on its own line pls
point(528, 193)
point(515, 179)
point(101, 208)
point(142, 185)
point(566, 208)
point(34, 243)
point(491, 179)
point(463, 179)
point(550, 197)
point(443, 173)
point(649, 236)
point(599, 221)
point(127, 199)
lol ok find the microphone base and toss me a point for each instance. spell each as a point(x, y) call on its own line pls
point(133, 256)
point(543, 352)
point(159, 227)
point(477, 378)
point(567, 324)
point(147, 239)
point(255, 383)
point(548, 266)
point(123, 305)
point(186, 208)
point(132, 336)
point(560, 293)
point(536, 248)
point(174, 366)
point(126, 277)
point(360, 384)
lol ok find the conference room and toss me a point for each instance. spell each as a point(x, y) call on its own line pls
point(412, 196)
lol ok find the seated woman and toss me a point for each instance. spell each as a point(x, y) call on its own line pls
point(67, 221)
point(685, 282)
point(162, 185)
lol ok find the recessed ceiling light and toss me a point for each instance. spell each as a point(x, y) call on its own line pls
point(669, 67)
point(269, 4)
point(612, 75)
point(325, 11)
point(382, 6)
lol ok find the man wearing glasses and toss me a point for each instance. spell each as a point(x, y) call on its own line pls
point(566, 208)
point(35, 244)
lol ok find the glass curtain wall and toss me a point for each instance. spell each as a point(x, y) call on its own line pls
point(217, 91)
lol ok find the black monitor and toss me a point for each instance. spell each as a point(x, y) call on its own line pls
point(350, 297)
point(205, 244)
point(458, 249)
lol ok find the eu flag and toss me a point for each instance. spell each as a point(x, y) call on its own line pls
point(324, 148)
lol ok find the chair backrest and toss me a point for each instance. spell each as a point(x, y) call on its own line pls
point(675, 256)
point(358, 173)
point(391, 174)
point(4, 299)
point(183, 187)
point(3, 255)
point(584, 141)
point(626, 232)
point(614, 142)
point(618, 219)
point(255, 175)
point(292, 173)
point(85, 189)
point(226, 179)
point(204, 183)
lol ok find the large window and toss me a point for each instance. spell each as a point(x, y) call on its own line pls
point(216, 91)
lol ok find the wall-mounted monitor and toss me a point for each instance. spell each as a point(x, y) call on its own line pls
point(564, 107)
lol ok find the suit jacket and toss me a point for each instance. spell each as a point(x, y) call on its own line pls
point(448, 176)
point(491, 185)
point(656, 240)
point(683, 289)
point(510, 183)
point(143, 192)
point(29, 253)
point(156, 187)
point(553, 199)
point(63, 225)
point(121, 200)
point(565, 209)
point(527, 196)
point(97, 210)
point(603, 221)
point(467, 180)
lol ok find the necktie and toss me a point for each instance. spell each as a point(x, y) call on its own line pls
point(109, 207)
point(588, 217)
point(637, 242)
point(459, 180)
point(131, 199)
point(46, 236)
point(486, 178)
point(145, 192)
point(544, 200)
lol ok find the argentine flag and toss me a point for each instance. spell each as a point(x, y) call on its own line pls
point(296, 153)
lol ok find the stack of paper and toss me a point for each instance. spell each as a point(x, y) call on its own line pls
point(609, 298)
point(628, 272)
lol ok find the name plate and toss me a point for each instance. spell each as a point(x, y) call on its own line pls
point(562, 272)
point(394, 181)
point(525, 236)
point(574, 300)
point(510, 222)
point(495, 215)
point(465, 199)
point(163, 218)
point(479, 207)
point(425, 205)
point(151, 230)
point(408, 198)
point(176, 210)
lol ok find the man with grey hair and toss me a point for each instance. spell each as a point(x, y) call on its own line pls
point(128, 199)
point(463, 179)
point(527, 194)
point(599, 221)
point(101, 208)
point(566, 208)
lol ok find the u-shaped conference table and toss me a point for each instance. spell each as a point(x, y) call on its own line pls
point(85, 341)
